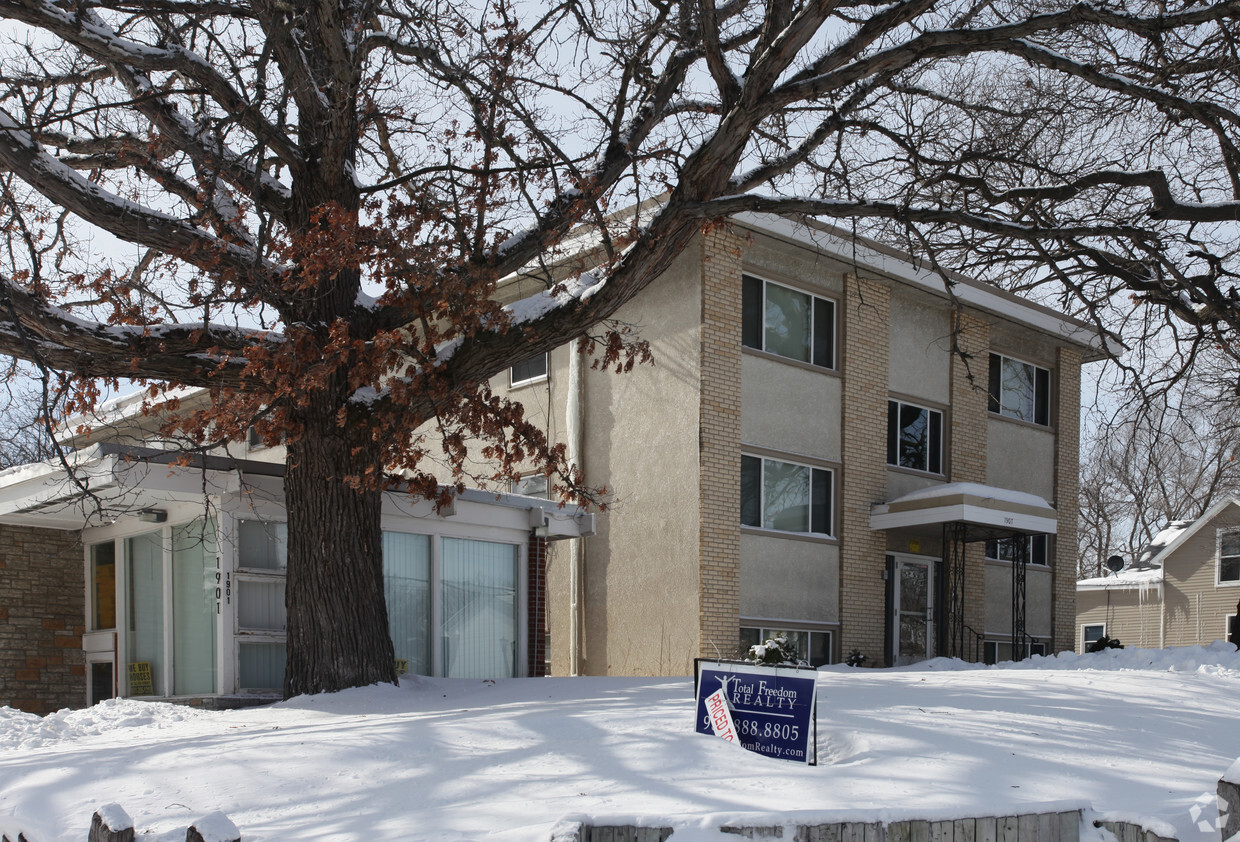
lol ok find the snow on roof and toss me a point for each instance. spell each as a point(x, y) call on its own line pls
point(1130, 578)
point(975, 489)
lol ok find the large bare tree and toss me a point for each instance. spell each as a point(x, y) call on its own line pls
point(308, 204)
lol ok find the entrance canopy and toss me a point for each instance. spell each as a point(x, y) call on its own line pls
point(983, 510)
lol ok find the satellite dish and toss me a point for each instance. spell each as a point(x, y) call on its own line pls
point(1115, 563)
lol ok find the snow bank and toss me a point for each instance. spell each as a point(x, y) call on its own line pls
point(1219, 658)
point(20, 730)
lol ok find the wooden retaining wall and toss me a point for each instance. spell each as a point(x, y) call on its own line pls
point(1062, 826)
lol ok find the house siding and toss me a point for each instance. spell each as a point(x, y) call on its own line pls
point(41, 620)
point(1196, 608)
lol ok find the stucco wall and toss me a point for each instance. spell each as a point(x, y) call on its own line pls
point(920, 345)
point(1021, 457)
point(639, 598)
point(42, 614)
point(999, 600)
point(790, 580)
point(790, 408)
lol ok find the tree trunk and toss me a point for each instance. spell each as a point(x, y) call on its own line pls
point(337, 616)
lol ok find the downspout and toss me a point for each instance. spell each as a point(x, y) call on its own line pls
point(1162, 614)
point(576, 550)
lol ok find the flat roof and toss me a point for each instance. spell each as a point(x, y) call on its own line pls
point(984, 507)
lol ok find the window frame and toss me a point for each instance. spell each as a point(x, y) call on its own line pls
point(1219, 581)
point(1033, 554)
point(767, 629)
point(1036, 647)
point(828, 508)
point(1085, 641)
point(515, 486)
point(514, 381)
point(934, 455)
point(1041, 380)
point(823, 350)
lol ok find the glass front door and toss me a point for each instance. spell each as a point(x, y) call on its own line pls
point(912, 610)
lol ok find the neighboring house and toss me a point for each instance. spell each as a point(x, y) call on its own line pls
point(1182, 591)
point(179, 591)
point(809, 454)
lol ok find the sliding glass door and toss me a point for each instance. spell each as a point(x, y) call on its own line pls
point(479, 592)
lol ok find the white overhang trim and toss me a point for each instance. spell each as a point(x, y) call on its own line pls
point(969, 503)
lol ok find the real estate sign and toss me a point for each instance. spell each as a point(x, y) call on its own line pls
point(768, 710)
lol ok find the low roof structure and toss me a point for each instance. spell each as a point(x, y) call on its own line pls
point(985, 511)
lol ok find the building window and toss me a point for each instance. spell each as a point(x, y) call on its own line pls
point(1092, 633)
point(995, 651)
point(785, 496)
point(1229, 557)
point(1004, 549)
point(914, 437)
point(1019, 390)
point(530, 371)
point(531, 485)
point(185, 558)
point(787, 322)
point(103, 586)
point(813, 646)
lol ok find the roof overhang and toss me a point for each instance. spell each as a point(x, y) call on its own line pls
point(981, 508)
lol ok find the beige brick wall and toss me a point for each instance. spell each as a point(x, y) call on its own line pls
point(42, 612)
point(720, 445)
point(863, 478)
point(969, 381)
point(1067, 496)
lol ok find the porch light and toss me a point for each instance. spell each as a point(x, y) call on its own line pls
point(153, 515)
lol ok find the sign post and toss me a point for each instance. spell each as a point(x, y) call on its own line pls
point(768, 710)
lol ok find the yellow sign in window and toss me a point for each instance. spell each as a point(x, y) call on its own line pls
point(140, 683)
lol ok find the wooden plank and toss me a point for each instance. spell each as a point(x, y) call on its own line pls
point(919, 831)
point(874, 832)
point(1007, 826)
point(1027, 828)
point(1048, 831)
point(1070, 826)
point(898, 832)
point(965, 830)
point(987, 829)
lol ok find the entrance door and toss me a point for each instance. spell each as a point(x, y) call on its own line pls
point(912, 615)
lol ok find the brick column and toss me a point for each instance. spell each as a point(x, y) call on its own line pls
point(863, 551)
point(719, 445)
point(970, 379)
point(1067, 497)
point(536, 602)
point(42, 617)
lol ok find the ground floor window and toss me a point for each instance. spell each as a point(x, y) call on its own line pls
point(1004, 549)
point(810, 644)
point(1092, 633)
point(996, 650)
point(172, 601)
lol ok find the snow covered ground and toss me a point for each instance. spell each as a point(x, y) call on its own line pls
point(1135, 733)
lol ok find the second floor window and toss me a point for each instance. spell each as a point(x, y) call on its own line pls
point(1020, 390)
point(530, 371)
point(914, 437)
point(785, 496)
point(787, 322)
point(1229, 557)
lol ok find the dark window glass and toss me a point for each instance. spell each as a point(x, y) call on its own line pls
point(751, 491)
point(751, 312)
point(532, 369)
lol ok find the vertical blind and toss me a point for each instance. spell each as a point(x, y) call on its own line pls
point(479, 592)
point(193, 608)
point(145, 591)
point(407, 589)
